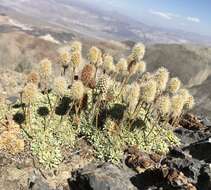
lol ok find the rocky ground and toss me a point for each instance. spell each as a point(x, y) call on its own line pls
point(187, 167)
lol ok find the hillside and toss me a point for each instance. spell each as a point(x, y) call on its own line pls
point(85, 19)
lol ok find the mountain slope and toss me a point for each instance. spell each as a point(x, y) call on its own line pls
point(89, 20)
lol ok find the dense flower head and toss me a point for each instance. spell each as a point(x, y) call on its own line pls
point(30, 93)
point(121, 66)
point(177, 104)
point(93, 55)
point(77, 90)
point(161, 77)
point(45, 69)
point(138, 51)
point(76, 58)
point(141, 66)
point(131, 96)
point(108, 63)
point(60, 86)
point(163, 104)
point(190, 102)
point(103, 84)
point(184, 93)
point(64, 57)
point(112, 127)
point(76, 46)
point(92, 83)
point(132, 93)
point(148, 91)
point(87, 74)
point(174, 85)
point(33, 77)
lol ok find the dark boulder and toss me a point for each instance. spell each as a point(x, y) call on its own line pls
point(189, 167)
point(204, 179)
point(102, 177)
point(200, 150)
point(163, 178)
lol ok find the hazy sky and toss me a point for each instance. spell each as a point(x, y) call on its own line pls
point(188, 15)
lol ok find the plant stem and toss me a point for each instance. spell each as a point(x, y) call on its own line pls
point(69, 110)
point(156, 121)
point(52, 111)
point(175, 121)
point(24, 130)
point(147, 112)
point(96, 121)
point(29, 114)
point(123, 84)
point(135, 113)
point(163, 126)
point(23, 108)
point(44, 123)
point(95, 107)
point(73, 74)
point(49, 100)
point(61, 119)
point(95, 75)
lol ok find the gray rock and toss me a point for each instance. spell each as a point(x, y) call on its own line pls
point(206, 122)
point(188, 137)
point(103, 177)
point(189, 167)
point(35, 182)
point(12, 99)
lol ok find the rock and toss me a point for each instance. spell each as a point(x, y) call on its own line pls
point(12, 99)
point(188, 136)
point(102, 177)
point(148, 179)
point(205, 121)
point(162, 178)
point(35, 182)
point(201, 150)
point(204, 180)
point(189, 167)
point(177, 153)
point(4, 160)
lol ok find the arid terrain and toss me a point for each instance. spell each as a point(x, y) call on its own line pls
point(33, 30)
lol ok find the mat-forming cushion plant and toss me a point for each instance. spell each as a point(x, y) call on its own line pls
point(111, 104)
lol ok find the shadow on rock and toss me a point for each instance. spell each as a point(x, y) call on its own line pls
point(101, 177)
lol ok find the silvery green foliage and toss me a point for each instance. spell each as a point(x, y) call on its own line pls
point(47, 149)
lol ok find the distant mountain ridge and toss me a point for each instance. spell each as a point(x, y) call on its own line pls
point(88, 20)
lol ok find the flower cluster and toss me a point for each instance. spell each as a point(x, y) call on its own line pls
point(112, 104)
